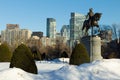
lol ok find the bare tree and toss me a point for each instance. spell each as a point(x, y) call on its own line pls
point(114, 30)
point(118, 35)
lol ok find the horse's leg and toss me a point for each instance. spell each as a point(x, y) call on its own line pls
point(86, 32)
point(98, 27)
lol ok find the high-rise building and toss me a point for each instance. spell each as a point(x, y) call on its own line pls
point(34, 41)
point(10, 35)
point(46, 41)
point(76, 23)
point(12, 26)
point(24, 34)
point(58, 34)
point(15, 35)
point(38, 34)
point(65, 32)
point(51, 28)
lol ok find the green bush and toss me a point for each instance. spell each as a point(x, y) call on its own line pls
point(22, 58)
point(35, 53)
point(43, 56)
point(79, 55)
point(5, 53)
point(64, 55)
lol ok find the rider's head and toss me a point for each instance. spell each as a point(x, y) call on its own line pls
point(90, 9)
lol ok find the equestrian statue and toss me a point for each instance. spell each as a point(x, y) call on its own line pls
point(91, 21)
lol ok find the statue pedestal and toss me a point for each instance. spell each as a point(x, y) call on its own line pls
point(86, 41)
point(93, 46)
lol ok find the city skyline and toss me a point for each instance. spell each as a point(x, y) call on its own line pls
point(32, 15)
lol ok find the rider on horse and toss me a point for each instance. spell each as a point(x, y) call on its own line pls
point(90, 15)
point(91, 21)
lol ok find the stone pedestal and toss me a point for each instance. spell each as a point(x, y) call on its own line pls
point(86, 41)
point(93, 46)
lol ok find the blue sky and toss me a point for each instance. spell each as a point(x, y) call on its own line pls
point(32, 14)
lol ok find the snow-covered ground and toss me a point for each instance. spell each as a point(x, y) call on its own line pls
point(57, 70)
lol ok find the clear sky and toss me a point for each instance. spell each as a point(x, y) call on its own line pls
point(32, 14)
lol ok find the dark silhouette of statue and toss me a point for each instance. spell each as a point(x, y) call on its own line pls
point(92, 21)
point(90, 15)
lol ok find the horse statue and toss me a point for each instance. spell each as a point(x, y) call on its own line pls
point(92, 22)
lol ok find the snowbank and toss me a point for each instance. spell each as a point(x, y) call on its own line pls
point(97, 70)
point(15, 74)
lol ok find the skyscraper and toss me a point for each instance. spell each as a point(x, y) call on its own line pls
point(76, 23)
point(13, 35)
point(38, 34)
point(65, 32)
point(51, 28)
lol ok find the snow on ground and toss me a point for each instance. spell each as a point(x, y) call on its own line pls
point(57, 70)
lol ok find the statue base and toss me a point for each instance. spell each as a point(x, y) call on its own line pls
point(93, 46)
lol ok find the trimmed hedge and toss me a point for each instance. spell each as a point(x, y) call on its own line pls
point(5, 53)
point(79, 55)
point(22, 58)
